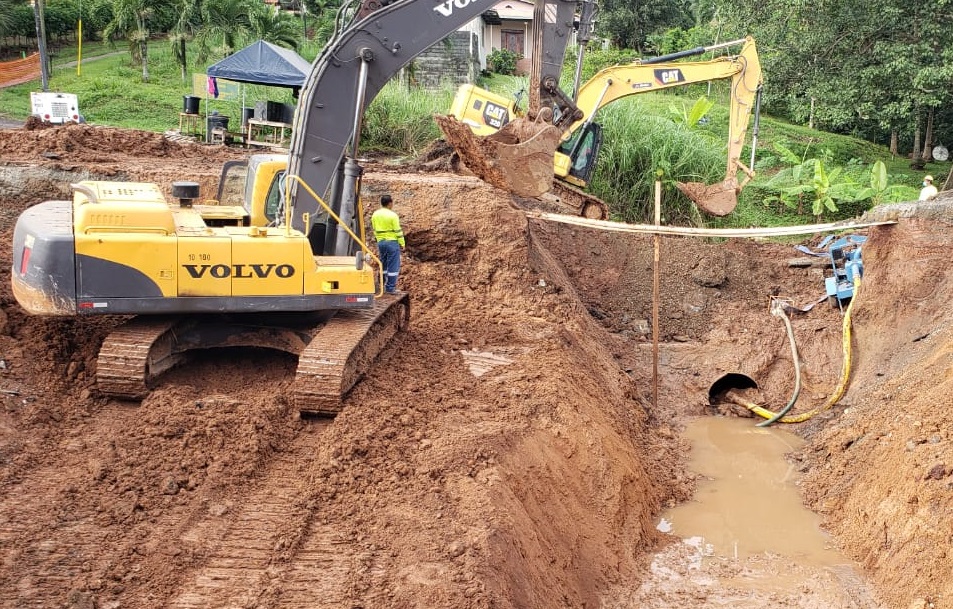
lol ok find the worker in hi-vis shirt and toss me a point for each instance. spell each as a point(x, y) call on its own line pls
point(390, 240)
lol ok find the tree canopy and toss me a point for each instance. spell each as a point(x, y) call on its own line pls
point(869, 68)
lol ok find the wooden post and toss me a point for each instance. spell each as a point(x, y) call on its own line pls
point(655, 293)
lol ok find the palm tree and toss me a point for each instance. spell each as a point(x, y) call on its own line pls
point(130, 20)
point(278, 27)
point(184, 29)
point(6, 15)
point(225, 24)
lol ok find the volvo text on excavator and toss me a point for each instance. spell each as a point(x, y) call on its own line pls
point(286, 269)
point(574, 157)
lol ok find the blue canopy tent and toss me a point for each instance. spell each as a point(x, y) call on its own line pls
point(262, 63)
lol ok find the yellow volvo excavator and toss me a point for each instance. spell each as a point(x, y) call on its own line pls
point(477, 112)
point(287, 268)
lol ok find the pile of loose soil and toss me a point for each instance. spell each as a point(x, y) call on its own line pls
point(505, 451)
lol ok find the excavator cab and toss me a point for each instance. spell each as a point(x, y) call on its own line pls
point(259, 185)
point(575, 159)
point(274, 202)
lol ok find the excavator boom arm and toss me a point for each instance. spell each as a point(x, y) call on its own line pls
point(744, 70)
point(346, 78)
point(617, 82)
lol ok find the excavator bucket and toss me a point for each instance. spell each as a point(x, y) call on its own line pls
point(717, 199)
point(518, 158)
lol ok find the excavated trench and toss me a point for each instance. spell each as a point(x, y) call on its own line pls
point(506, 451)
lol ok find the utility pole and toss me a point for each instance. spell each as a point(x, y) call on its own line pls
point(79, 46)
point(38, 13)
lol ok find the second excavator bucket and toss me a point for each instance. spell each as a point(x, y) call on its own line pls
point(518, 158)
point(717, 199)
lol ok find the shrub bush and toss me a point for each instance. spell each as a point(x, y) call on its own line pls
point(502, 61)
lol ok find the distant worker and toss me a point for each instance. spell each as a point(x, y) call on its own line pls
point(390, 240)
point(929, 190)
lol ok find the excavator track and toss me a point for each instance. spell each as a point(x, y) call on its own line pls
point(343, 350)
point(333, 355)
point(133, 354)
point(579, 202)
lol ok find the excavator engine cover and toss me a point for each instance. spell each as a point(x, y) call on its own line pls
point(518, 158)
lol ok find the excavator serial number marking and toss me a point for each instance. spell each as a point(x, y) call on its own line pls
point(108, 219)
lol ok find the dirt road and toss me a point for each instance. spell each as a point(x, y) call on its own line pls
point(505, 453)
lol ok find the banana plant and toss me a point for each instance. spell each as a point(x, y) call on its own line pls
point(824, 187)
point(793, 183)
point(808, 180)
point(881, 191)
point(693, 117)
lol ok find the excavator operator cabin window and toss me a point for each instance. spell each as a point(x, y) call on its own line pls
point(276, 194)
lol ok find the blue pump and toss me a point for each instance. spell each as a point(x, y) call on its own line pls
point(846, 265)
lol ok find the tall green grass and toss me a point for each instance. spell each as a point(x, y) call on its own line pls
point(400, 119)
point(637, 147)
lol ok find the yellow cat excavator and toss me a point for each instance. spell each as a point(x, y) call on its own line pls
point(287, 268)
point(477, 116)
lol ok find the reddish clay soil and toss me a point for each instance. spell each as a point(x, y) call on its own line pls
point(504, 453)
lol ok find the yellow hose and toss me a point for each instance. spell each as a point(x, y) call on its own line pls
point(838, 391)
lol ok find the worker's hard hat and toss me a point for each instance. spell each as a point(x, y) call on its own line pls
point(928, 178)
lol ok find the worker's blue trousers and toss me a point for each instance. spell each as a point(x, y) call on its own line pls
point(390, 260)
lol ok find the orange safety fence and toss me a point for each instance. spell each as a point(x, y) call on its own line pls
point(19, 71)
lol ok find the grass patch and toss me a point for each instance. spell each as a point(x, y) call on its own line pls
point(399, 120)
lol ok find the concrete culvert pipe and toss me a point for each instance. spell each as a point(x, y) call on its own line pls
point(727, 382)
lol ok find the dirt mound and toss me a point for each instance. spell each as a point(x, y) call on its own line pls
point(91, 144)
point(882, 473)
point(505, 453)
point(98, 152)
point(450, 461)
point(35, 122)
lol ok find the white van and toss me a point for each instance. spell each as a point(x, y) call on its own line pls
point(56, 108)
